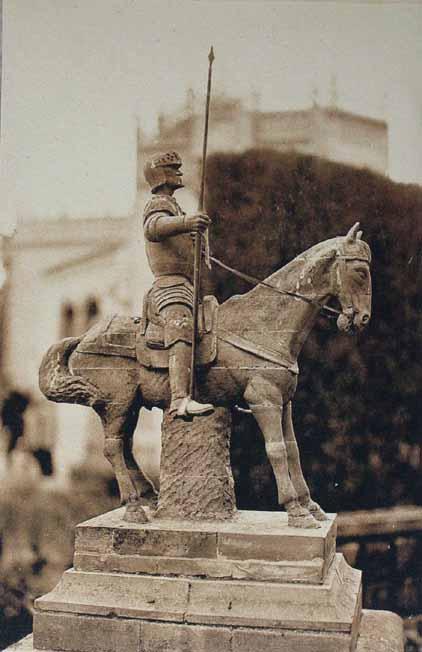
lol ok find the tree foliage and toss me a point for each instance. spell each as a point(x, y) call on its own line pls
point(357, 407)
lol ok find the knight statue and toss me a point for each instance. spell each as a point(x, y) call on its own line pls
point(170, 251)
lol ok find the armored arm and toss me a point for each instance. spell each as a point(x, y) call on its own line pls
point(160, 226)
point(163, 218)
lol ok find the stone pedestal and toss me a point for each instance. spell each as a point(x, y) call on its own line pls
point(196, 479)
point(245, 585)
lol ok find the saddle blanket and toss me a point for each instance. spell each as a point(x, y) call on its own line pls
point(125, 336)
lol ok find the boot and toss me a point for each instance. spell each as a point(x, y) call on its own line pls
point(179, 372)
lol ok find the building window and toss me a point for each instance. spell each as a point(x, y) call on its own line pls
point(92, 311)
point(67, 320)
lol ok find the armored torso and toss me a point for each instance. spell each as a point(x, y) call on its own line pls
point(173, 255)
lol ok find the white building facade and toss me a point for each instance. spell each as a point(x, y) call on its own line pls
point(63, 275)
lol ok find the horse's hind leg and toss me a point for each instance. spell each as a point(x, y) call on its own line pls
point(118, 423)
point(143, 486)
point(295, 467)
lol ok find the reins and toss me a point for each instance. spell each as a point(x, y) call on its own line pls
point(256, 281)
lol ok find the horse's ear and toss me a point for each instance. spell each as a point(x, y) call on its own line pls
point(359, 235)
point(351, 236)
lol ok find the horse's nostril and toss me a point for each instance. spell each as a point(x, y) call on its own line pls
point(365, 318)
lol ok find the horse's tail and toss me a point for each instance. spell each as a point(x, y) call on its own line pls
point(56, 381)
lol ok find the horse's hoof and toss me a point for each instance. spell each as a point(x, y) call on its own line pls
point(300, 517)
point(319, 514)
point(316, 511)
point(305, 522)
point(135, 512)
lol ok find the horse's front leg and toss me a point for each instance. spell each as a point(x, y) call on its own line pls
point(266, 402)
point(295, 467)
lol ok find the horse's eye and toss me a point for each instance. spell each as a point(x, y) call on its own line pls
point(362, 273)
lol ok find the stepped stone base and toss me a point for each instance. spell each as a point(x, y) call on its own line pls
point(380, 631)
point(245, 585)
point(252, 545)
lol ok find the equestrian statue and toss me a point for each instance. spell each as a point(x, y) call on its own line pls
point(188, 355)
point(248, 354)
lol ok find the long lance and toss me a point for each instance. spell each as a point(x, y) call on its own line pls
point(198, 235)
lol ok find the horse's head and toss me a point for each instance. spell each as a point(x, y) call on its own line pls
point(352, 281)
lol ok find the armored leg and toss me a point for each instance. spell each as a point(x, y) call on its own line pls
point(179, 371)
point(178, 338)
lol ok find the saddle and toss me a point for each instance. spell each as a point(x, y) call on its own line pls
point(141, 340)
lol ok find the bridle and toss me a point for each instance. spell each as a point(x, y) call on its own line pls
point(340, 271)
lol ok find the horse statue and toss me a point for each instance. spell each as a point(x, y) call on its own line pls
point(259, 337)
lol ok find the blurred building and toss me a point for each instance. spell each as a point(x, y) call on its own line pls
point(327, 132)
point(64, 274)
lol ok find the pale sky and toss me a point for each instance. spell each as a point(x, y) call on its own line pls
point(77, 74)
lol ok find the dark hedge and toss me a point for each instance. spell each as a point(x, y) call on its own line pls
point(358, 405)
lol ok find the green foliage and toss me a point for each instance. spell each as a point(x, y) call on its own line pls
point(358, 397)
